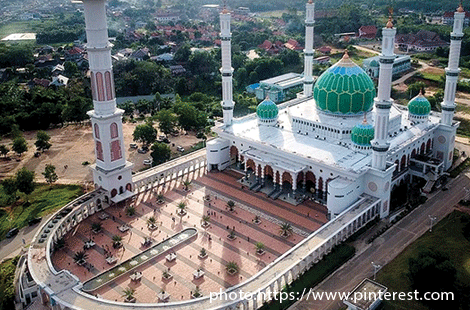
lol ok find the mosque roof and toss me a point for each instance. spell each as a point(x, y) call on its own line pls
point(267, 109)
point(419, 105)
point(362, 134)
point(345, 88)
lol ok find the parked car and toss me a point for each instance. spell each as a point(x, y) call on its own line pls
point(180, 149)
point(34, 221)
point(143, 150)
point(147, 162)
point(133, 145)
point(13, 232)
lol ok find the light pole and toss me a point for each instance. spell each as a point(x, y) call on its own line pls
point(432, 218)
point(376, 268)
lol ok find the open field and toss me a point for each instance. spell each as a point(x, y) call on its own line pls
point(43, 200)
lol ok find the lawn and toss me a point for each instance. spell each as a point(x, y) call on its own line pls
point(44, 200)
point(446, 237)
point(18, 27)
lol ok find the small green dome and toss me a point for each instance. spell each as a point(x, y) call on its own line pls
point(267, 110)
point(374, 63)
point(419, 105)
point(344, 88)
point(362, 134)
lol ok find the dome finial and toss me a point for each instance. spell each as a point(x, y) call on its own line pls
point(364, 121)
point(225, 11)
point(390, 18)
point(346, 54)
point(421, 92)
point(460, 8)
point(310, 1)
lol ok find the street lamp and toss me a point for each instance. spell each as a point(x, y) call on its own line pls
point(376, 268)
point(432, 218)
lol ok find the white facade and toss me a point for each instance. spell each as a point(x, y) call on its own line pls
point(111, 171)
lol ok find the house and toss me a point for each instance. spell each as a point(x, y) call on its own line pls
point(59, 80)
point(45, 61)
point(58, 69)
point(177, 69)
point(293, 45)
point(163, 57)
point(74, 54)
point(448, 18)
point(321, 60)
point(269, 47)
point(324, 50)
point(367, 32)
point(165, 17)
point(141, 54)
point(422, 41)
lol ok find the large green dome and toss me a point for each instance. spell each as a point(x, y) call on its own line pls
point(267, 110)
point(419, 105)
point(344, 89)
point(362, 134)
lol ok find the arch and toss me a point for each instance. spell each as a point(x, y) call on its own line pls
point(121, 189)
point(109, 85)
point(129, 187)
point(99, 151)
point(428, 145)
point(286, 177)
point(116, 152)
point(413, 154)
point(97, 131)
point(99, 86)
point(234, 153)
point(423, 148)
point(251, 164)
point(113, 192)
point(113, 128)
point(268, 171)
point(403, 162)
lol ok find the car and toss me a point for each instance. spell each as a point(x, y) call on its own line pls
point(12, 232)
point(133, 145)
point(34, 221)
point(147, 162)
point(180, 149)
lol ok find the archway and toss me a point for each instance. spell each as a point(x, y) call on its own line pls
point(250, 164)
point(286, 181)
point(129, 187)
point(310, 184)
point(423, 148)
point(413, 154)
point(428, 145)
point(121, 189)
point(403, 162)
point(114, 192)
point(233, 153)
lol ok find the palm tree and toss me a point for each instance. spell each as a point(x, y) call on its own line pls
point(285, 229)
point(59, 244)
point(232, 236)
point(232, 267)
point(259, 246)
point(151, 221)
point(205, 220)
point(197, 292)
point(181, 208)
point(231, 205)
point(160, 197)
point(128, 294)
point(166, 274)
point(186, 185)
point(80, 257)
point(96, 227)
point(202, 253)
point(257, 219)
point(130, 211)
point(117, 241)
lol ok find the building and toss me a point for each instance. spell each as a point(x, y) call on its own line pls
point(321, 60)
point(293, 45)
point(367, 32)
point(423, 41)
point(324, 50)
point(269, 47)
point(370, 292)
point(165, 17)
point(278, 88)
point(401, 64)
point(448, 18)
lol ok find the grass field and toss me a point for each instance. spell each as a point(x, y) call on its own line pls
point(18, 27)
point(44, 200)
point(446, 237)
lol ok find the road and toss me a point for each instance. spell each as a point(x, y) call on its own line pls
point(398, 237)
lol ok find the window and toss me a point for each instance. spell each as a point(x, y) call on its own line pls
point(114, 130)
point(116, 150)
point(99, 151)
point(100, 87)
point(109, 86)
point(97, 131)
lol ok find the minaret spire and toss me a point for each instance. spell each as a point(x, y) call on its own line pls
point(383, 102)
point(111, 171)
point(226, 70)
point(309, 51)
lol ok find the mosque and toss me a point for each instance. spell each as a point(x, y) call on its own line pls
point(340, 137)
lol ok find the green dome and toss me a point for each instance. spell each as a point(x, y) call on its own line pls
point(267, 110)
point(419, 105)
point(362, 134)
point(374, 63)
point(344, 89)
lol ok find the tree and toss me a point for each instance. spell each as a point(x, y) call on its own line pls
point(189, 117)
point(232, 267)
point(128, 293)
point(80, 257)
point(130, 211)
point(96, 227)
point(415, 88)
point(145, 133)
point(9, 188)
point(160, 153)
point(117, 241)
point(42, 141)
point(181, 208)
point(25, 181)
point(259, 247)
point(49, 174)
point(4, 150)
point(19, 145)
point(151, 221)
point(166, 121)
point(183, 53)
point(285, 229)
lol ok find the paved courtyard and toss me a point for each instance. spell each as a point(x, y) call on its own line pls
point(221, 187)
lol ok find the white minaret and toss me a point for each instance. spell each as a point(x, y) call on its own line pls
point(308, 51)
point(226, 70)
point(452, 71)
point(111, 171)
point(383, 102)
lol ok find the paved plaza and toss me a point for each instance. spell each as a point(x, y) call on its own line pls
point(220, 187)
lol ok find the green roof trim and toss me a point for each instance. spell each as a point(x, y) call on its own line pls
point(362, 134)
